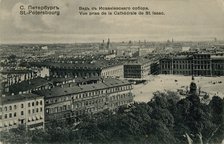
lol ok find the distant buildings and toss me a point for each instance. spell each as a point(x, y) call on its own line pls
point(26, 109)
point(195, 64)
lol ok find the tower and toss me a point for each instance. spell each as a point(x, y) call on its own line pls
point(108, 43)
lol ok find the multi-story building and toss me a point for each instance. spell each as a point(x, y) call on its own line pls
point(137, 69)
point(27, 109)
point(195, 64)
point(13, 76)
point(116, 71)
point(101, 68)
point(182, 65)
point(74, 101)
point(217, 65)
point(202, 64)
point(28, 86)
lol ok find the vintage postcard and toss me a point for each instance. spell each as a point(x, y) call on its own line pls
point(112, 71)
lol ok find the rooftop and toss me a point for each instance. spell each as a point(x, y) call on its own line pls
point(14, 71)
point(18, 98)
point(66, 90)
point(138, 61)
point(28, 85)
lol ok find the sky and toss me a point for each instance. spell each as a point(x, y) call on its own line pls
point(183, 20)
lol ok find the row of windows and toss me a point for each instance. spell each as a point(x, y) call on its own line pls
point(14, 107)
point(182, 72)
point(86, 103)
point(11, 123)
point(202, 56)
point(219, 66)
point(10, 115)
point(88, 94)
point(120, 103)
point(182, 66)
point(30, 119)
point(37, 110)
point(202, 67)
point(182, 62)
point(117, 97)
point(37, 103)
point(58, 109)
point(112, 72)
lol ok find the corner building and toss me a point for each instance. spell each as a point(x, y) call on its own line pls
point(23, 109)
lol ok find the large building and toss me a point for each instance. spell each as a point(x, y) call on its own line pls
point(137, 69)
point(115, 71)
point(195, 64)
point(26, 109)
point(73, 101)
point(100, 68)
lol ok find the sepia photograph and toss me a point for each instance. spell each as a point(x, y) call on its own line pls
point(111, 72)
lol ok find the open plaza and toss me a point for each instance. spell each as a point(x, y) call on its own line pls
point(144, 92)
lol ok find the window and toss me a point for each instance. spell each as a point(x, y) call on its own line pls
point(32, 103)
point(15, 107)
point(37, 103)
point(33, 110)
point(28, 104)
point(5, 108)
point(22, 113)
point(41, 109)
point(10, 115)
point(15, 114)
point(6, 116)
point(10, 107)
point(28, 111)
point(22, 106)
point(37, 110)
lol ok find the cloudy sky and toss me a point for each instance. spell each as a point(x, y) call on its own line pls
point(183, 20)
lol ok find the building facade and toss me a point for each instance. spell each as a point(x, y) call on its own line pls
point(196, 64)
point(25, 109)
point(94, 69)
point(75, 101)
point(115, 71)
point(137, 69)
